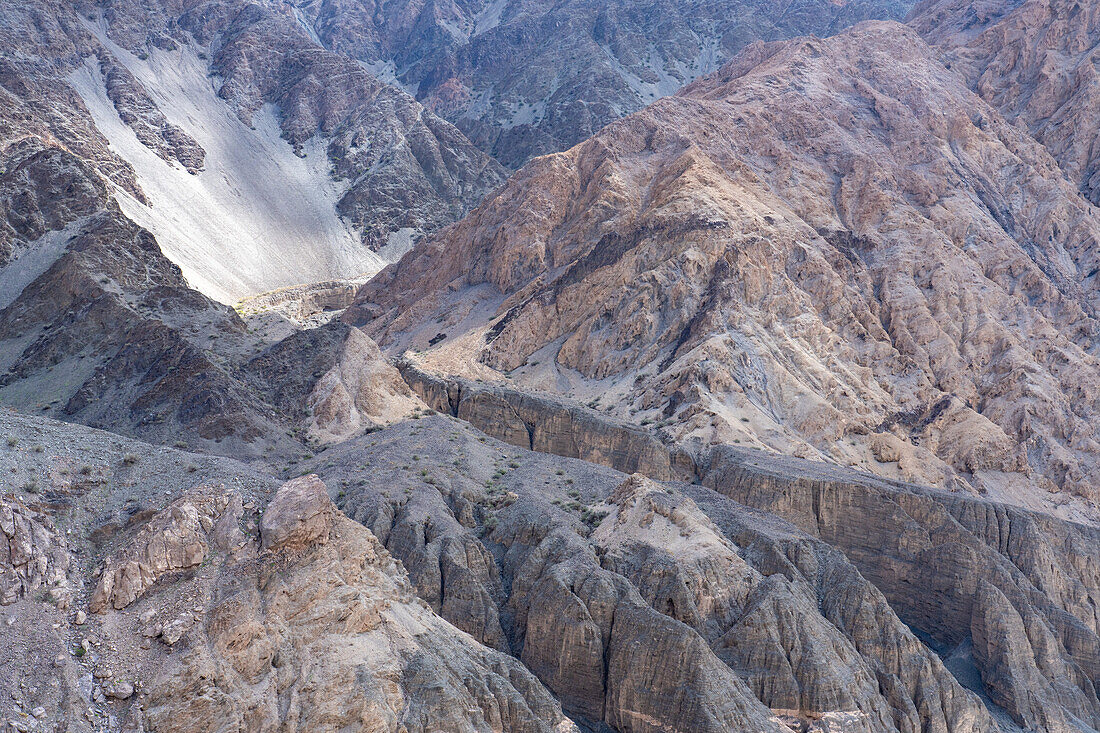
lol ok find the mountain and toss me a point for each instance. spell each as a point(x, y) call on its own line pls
point(769, 406)
point(525, 78)
point(831, 248)
point(257, 158)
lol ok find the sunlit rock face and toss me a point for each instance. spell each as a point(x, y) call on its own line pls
point(831, 248)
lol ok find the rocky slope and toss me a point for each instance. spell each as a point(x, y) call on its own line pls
point(172, 590)
point(498, 540)
point(524, 78)
point(258, 158)
point(959, 571)
point(97, 326)
point(1036, 63)
point(221, 604)
point(830, 248)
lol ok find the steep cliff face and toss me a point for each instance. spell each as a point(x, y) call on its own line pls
point(969, 576)
point(524, 78)
point(829, 248)
point(202, 594)
point(645, 606)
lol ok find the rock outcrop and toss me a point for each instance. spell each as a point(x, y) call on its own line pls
point(334, 381)
point(299, 515)
point(182, 536)
point(33, 557)
point(317, 612)
point(545, 424)
point(959, 570)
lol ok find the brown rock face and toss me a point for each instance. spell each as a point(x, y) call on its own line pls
point(299, 515)
point(332, 624)
point(831, 248)
point(948, 565)
point(180, 537)
point(1036, 63)
point(646, 606)
point(335, 380)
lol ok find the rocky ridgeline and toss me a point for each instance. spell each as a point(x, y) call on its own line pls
point(773, 592)
point(523, 79)
point(970, 575)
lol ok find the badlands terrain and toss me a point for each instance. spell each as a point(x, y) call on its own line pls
point(490, 365)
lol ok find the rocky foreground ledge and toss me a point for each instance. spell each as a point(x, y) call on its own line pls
point(429, 572)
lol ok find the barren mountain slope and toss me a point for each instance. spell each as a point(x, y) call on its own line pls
point(1036, 62)
point(178, 592)
point(831, 248)
point(256, 157)
point(524, 78)
point(149, 589)
point(97, 326)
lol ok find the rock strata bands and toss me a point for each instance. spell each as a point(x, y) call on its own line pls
point(947, 564)
point(535, 581)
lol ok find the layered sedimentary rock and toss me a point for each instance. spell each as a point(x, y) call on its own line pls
point(585, 556)
point(637, 604)
point(967, 574)
point(542, 423)
point(523, 78)
point(830, 248)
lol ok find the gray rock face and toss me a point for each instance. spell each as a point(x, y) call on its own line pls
point(523, 78)
point(928, 553)
point(395, 170)
point(97, 326)
point(33, 557)
point(954, 567)
point(543, 423)
point(138, 110)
